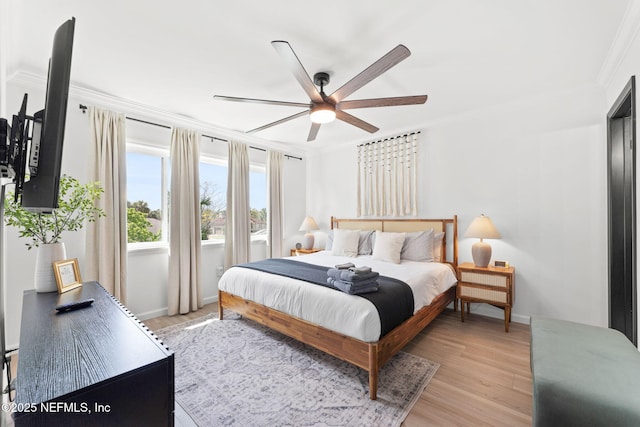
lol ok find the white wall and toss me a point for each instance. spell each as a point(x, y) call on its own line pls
point(19, 262)
point(624, 62)
point(537, 167)
point(147, 274)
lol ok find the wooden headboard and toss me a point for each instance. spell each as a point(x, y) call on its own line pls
point(448, 225)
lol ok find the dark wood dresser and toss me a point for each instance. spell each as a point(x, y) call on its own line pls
point(97, 366)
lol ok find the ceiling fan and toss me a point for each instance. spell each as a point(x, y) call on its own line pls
point(323, 108)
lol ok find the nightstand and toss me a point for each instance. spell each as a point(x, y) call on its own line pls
point(491, 285)
point(297, 252)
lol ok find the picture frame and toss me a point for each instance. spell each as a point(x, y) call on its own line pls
point(67, 274)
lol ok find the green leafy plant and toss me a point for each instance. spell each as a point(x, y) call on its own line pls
point(76, 204)
point(138, 227)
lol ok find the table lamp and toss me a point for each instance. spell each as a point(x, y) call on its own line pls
point(481, 228)
point(308, 225)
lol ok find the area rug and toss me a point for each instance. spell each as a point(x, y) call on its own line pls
point(236, 372)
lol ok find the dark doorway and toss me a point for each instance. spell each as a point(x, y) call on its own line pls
point(621, 176)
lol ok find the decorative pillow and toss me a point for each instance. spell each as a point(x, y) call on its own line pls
point(345, 242)
point(418, 246)
point(365, 243)
point(437, 246)
point(387, 246)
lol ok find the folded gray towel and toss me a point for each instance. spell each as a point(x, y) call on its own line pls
point(334, 273)
point(349, 276)
point(345, 266)
point(351, 289)
point(355, 285)
point(360, 270)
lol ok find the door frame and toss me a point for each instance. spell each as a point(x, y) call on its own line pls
point(623, 296)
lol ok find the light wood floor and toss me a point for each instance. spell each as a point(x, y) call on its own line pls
point(483, 380)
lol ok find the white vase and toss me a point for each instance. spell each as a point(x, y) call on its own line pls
point(44, 278)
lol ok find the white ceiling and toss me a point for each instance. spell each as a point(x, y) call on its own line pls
point(175, 55)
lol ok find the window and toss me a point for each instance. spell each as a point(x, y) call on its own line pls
point(258, 202)
point(213, 200)
point(146, 196)
point(148, 171)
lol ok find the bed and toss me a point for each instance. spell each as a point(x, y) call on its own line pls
point(295, 308)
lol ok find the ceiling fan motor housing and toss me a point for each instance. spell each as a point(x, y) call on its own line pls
point(321, 79)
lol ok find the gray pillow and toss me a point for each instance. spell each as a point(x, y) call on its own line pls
point(418, 246)
point(365, 242)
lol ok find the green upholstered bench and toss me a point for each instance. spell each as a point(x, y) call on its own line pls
point(583, 375)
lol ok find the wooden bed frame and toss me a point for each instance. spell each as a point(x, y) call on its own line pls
point(370, 356)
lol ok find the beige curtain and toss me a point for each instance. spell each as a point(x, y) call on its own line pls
point(274, 204)
point(106, 238)
point(185, 290)
point(237, 234)
point(387, 177)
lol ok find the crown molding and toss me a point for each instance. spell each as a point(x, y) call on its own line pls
point(92, 97)
point(624, 39)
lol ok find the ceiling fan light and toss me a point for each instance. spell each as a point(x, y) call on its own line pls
point(323, 113)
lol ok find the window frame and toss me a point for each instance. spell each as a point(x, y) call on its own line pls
point(217, 161)
point(139, 147)
point(259, 168)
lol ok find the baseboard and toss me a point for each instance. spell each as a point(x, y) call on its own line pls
point(489, 311)
point(211, 299)
point(165, 311)
point(153, 313)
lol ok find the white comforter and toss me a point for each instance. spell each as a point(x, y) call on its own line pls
point(347, 314)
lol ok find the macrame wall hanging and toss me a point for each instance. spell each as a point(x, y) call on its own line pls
point(387, 177)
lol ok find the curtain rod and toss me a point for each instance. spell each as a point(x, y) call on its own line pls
point(84, 110)
point(387, 139)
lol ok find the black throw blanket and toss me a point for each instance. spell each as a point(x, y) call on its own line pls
point(393, 300)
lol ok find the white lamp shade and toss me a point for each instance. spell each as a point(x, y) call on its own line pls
point(482, 228)
point(308, 224)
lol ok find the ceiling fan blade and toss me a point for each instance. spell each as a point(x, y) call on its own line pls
point(352, 120)
point(261, 101)
point(277, 122)
point(383, 102)
point(393, 57)
point(313, 132)
point(295, 66)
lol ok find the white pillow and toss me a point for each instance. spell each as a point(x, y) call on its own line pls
point(345, 242)
point(388, 246)
point(365, 244)
point(437, 246)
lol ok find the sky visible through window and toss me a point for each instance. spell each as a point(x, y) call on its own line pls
point(143, 179)
point(144, 172)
